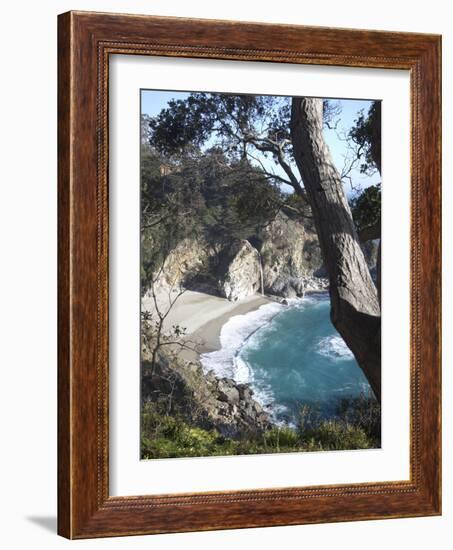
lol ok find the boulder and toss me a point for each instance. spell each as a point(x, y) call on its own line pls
point(227, 391)
point(202, 399)
point(288, 287)
point(245, 391)
point(239, 271)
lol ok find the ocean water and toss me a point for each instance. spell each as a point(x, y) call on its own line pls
point(291, 356)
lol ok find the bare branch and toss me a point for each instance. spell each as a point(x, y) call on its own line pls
point(269, 146)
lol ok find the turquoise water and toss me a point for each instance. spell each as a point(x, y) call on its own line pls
point(291, 355)
point(298, 358)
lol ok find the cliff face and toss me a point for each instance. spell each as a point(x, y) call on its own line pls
point(182, 263)
point(239, 273)
point(291, 258)
point(282, 259)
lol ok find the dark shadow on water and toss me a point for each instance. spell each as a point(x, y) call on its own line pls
point(49, 523)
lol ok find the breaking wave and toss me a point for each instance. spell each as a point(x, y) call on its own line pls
point(235, 332)
point(334, 347)
point(290, 355)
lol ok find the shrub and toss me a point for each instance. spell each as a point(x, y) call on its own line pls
point(281, 437)
point(363, 412)
point(357, 426)
point(336, 435)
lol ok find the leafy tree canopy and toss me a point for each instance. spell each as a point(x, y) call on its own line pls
point(366, 208)
point(206, 197)
point(246, 127)
point(366, 134)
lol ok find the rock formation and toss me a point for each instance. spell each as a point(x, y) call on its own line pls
point(283, 259)
point(185, 260)
point(201, 399)
point(239, 271)
point(291, 257)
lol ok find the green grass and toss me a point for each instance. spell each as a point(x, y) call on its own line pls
point(165, 436)
point(334, 435)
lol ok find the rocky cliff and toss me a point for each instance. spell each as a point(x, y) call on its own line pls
point(181, 388)
point(291, 256)
point(281, 259)
point(186, 260)
point(239, 272)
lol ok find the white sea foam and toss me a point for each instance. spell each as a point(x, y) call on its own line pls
point(234, 333)
point(262, 393)
point(334, 347)
point(228, 362)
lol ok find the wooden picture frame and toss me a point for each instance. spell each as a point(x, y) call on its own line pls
point(85, 41)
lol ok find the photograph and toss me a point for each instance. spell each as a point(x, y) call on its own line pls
point(223, 356)
point(260, 259)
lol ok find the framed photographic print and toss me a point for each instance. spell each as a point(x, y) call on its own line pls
point(249, 275)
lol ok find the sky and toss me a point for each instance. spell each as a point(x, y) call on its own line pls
point(153, 101)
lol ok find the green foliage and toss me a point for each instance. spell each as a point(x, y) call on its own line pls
point(366, 208)
point(337, 436)
point(281, 438)
point(357, 426)
point(186, 125)
point(236, 123)
point(334, 435)
point(365, 413)
point(182, 124)
point(366, 134)
point(165, 436)
point(206, 197)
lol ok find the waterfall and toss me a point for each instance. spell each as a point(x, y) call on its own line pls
point(261, 272)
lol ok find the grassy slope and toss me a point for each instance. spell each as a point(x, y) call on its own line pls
point(356, 427)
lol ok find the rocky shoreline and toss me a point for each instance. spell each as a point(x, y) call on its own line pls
point(203, 400)
point(203, 285)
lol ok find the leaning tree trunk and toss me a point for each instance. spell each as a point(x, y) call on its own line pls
point(355, 310)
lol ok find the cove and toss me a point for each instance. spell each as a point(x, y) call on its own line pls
point(292, 356)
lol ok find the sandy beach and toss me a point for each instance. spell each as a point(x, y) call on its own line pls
point(202, 315)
